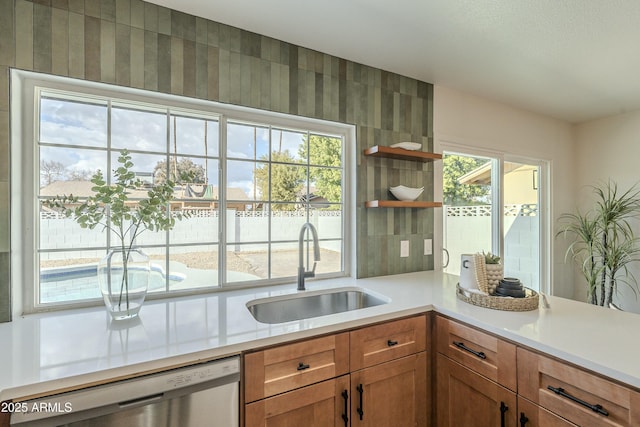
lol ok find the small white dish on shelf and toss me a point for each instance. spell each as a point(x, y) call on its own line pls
point(412, 146)
point(406, 193)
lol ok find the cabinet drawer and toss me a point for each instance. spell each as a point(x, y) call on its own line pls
point(287, 367)
point(323, 404)
point(479, 351)
point(581, 397)
point(380, 343)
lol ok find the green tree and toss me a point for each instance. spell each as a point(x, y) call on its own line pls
point(325, 151)
point(286, 179)
point(185, 171)
point(455, 193)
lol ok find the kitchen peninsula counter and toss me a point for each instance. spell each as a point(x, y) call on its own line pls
point(58, 351)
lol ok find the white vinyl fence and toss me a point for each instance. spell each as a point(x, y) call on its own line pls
point(467, 229)
point(60, 233)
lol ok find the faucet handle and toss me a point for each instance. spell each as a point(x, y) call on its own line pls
point(311, 273)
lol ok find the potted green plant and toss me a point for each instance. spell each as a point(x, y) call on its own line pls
point(603, 241)
point(495, 270)
point(123, 274)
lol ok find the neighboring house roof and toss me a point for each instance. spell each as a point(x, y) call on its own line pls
point(482, 174)
point(80, 189)
point(83, 189)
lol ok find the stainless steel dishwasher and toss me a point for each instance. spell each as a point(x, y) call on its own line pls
point(206, 394)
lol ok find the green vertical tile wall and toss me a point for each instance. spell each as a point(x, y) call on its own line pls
point(142, 45)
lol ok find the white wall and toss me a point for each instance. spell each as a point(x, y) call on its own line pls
point(465, 119)
point(608, 148)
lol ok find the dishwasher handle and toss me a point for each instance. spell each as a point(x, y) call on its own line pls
point(141, 401)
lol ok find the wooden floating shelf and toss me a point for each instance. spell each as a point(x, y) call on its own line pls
point(401, 204)
point(401, 153)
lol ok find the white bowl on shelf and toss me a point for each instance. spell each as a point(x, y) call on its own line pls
point(406, 193)
point(412, 146)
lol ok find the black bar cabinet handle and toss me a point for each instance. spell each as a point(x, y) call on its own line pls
point(595, 408)
point(503, 408)
point(523, 419)
point(302, 366)
point(345, 417)
point(461, 345)
point(391, 343)
point(360, 408)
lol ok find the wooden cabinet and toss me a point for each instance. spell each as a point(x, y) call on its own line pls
point(320, 405)
point(290, 366)
point(380, 343)
point(391, 394)
point(476, 378)
point(302, 384)
point(466, 398)
point(574, 394)
point(479, 351)
point(532, 415)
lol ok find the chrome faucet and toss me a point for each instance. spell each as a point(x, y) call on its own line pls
point(316, 254)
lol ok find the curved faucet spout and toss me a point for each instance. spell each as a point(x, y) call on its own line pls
point(302, 274)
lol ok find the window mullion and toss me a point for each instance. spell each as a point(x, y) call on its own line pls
point(222, 202)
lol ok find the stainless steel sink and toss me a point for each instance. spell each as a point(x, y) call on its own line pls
point(312, 304)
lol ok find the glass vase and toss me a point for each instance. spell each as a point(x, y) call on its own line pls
point(124, 281)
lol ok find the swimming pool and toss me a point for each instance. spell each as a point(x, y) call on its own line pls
point(80, 282)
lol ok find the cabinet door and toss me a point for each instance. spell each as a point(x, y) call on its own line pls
point(465, 398)
point(532, 415)
point(319, 405)
point(391, 394)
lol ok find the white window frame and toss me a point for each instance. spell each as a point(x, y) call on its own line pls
point(497, 203)
point(24, 184)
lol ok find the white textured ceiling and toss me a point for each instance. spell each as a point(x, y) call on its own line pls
point(575, 60)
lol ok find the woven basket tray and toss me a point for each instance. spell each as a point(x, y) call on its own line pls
point(529, 302)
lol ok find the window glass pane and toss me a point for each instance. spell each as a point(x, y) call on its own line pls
point(285, 259)
point(328, 223)
point(247, 141)
point(69, 275)
point(187, 136)
point(136, 129)
point(60, 232)
point(247, 226)
point(467, 225)
point(326, 186)
point(330, 257)
point(67, 170)
point(291, 144)
point(149, 168)
point(189, 173)
point(193, 267)
point(213, 138)
point(325, 150)
point(287, 184)
point(73, 122)
point(158, 259)
point(286, 224)
point(248, 262)
point(246, 181)
point(200, 227)
point(521, 223)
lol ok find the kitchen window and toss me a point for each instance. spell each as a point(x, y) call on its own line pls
point(496, 202)
point(249, 180)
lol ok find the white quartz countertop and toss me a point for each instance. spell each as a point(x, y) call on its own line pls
point(51, 352)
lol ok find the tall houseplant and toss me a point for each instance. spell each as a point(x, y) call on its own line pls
point(111, 208)
point(603, 241)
